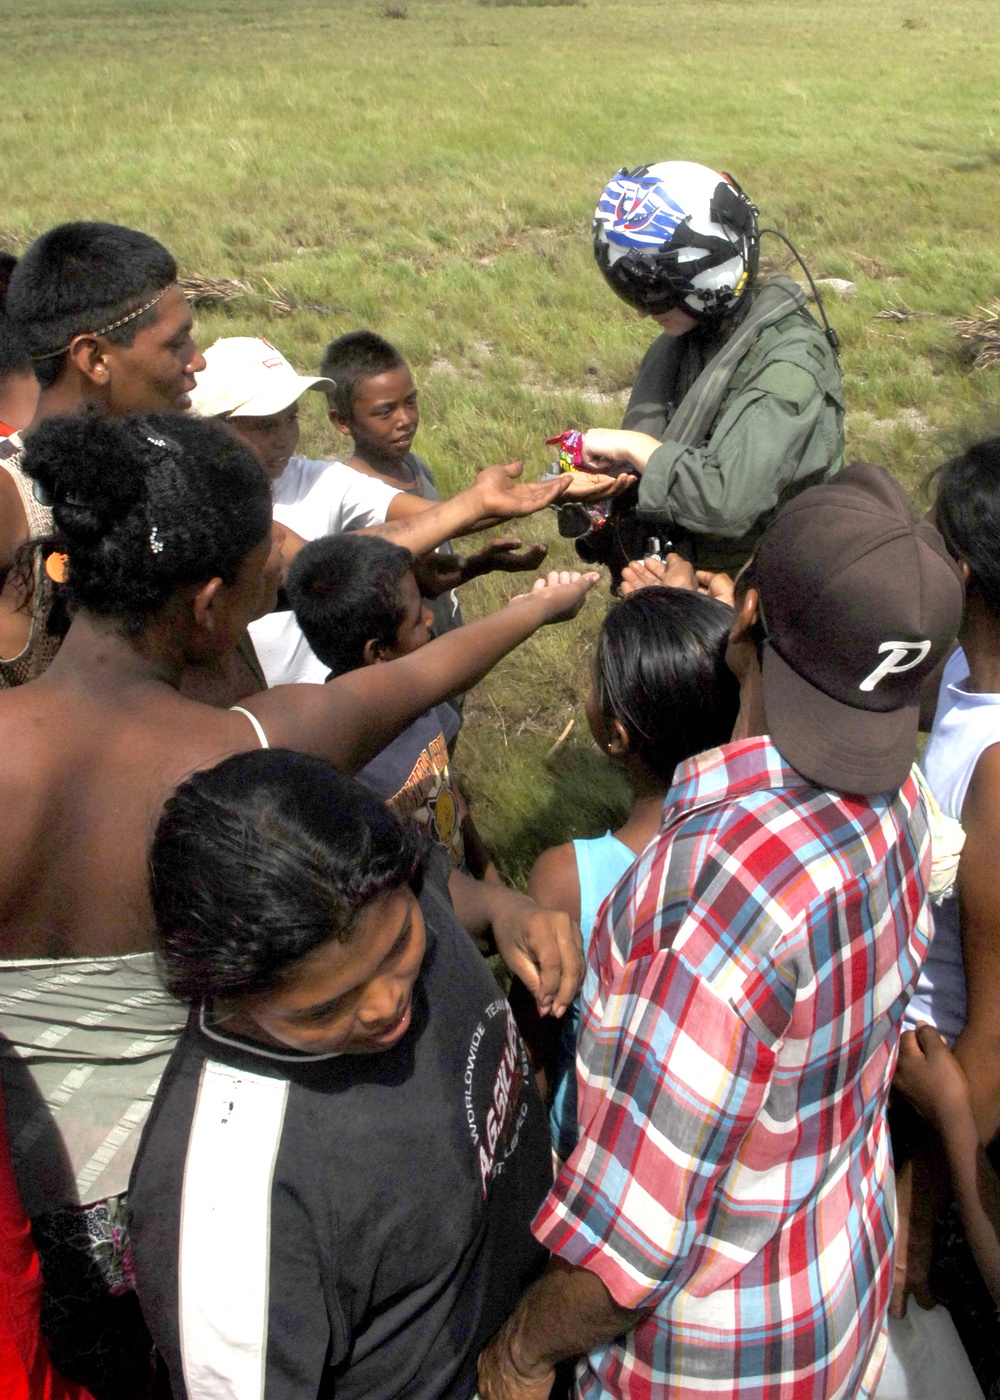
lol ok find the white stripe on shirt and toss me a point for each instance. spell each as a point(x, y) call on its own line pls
point(225, 1233)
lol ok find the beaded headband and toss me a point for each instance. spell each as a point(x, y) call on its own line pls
point(122, 321)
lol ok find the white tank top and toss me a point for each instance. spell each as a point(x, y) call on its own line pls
point(965, 725)
point(258, 727)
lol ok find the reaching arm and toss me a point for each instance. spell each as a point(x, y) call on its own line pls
point(554, 881)
point(437, 573)
point(542, 947)
point(977, 1049)
point(675, 572)
point(932, 1079)
point(566, 1313)
point(495, 495)
point(350, 719)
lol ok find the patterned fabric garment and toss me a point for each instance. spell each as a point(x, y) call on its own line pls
point(41, 647)
point(742, 1012)
point(90, 1312)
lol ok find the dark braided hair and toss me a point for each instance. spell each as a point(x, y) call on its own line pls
point(144, 505)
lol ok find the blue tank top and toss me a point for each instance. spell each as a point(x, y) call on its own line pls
point(600, 864)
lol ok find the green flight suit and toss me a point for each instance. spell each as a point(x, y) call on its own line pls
point(779, 428)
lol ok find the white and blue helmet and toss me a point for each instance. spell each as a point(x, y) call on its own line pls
point(677, 234)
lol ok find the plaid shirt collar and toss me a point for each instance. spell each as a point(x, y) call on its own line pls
point(727, 774)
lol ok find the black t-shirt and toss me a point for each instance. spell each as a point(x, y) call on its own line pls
point(345, 1226)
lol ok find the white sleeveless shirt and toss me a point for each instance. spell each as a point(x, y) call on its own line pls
point(965, 725)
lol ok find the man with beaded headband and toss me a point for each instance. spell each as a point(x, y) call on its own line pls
point(108, 328)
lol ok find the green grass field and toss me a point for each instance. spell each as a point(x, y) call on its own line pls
point(433, 176)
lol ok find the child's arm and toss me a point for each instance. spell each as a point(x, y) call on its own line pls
point(555, 881)
point(496, 495)
point(478, 860)
point(353, 717)
point(542, 947)
point(977, 1049)
point(438, 573)
point(932, 1079)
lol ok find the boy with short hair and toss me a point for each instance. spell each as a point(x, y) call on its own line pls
point(358, 603)
point(250, 385)
point(375, 403)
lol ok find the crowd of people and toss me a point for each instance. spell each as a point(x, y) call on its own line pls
point(269, 1125)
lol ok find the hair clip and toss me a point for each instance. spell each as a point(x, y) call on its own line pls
point(43, 497)
point(57, 567)
point(155, 543)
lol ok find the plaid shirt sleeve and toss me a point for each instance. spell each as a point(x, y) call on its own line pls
point(686, 1078)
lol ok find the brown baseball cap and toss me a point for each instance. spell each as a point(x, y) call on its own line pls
point(859, 600)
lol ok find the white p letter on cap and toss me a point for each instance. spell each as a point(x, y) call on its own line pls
point(890, 665)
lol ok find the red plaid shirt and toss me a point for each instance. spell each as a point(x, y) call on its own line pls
point(742, 1012)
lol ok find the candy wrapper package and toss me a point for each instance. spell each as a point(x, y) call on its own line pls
point(570, 459)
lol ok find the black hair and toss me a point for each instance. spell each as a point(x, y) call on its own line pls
point(145, 504)
point(257, 862)
point(660, 670)
point(967, 512)
point(14, 355)
point(357, 355)
point(8, 262)
point(345, 590)
point(79, 278)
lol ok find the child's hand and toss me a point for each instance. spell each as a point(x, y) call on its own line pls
point(543, 947)
point(504, 556)
point(931, 1078)
point(561, 593)
point(598, 486)
point(672, 572)
point(503, 497)
point(438, 573)
point(675, 572)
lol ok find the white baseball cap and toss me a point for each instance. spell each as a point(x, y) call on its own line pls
point(247, 378)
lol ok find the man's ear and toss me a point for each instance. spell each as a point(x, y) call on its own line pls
point(89, 355)
point(618, 740)
point(747, 616)
point(373, 652)
point(204, 605)
point(342, 424)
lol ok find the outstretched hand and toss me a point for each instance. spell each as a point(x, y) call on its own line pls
point(561, 591)
point(503, 497)
point(438, 572)
point(598, 486)
point(675, 572)
point(505, 556)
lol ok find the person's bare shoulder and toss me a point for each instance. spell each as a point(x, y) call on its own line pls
point(981, 808)
point(554, 881)
point(13, 522)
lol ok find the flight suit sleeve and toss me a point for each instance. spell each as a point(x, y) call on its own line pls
point(779, 427)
